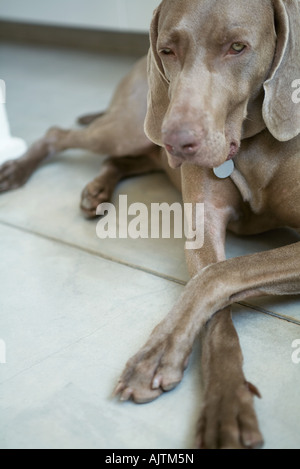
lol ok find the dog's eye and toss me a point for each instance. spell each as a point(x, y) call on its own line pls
point(237, 48)
point(166, 51)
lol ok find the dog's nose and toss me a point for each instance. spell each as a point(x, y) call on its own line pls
point(189, 149)
point(183, 143)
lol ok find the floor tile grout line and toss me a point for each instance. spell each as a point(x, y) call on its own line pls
point(53, 353)
point(137, 267)
point(94, 253)
point(270, 313)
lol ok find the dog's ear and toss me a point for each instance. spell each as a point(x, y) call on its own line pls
point(281, 114)
point(158, 99)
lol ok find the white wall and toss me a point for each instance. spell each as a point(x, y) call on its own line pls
point(121, 15)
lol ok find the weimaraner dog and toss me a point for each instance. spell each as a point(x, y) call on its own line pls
point(220, 79)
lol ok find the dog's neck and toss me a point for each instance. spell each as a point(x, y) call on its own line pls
point(253, 125)
point(254, 122)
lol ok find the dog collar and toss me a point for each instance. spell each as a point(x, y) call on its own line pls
point(225, 170)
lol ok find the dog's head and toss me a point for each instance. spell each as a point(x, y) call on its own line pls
point(220, 71)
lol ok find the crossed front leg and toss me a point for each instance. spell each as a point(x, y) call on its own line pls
point(228, 418)
point(159, 365)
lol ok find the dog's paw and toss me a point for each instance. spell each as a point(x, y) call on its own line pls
point(158, 367)
point(228, 419)
point(94, 194)
point(14, 174)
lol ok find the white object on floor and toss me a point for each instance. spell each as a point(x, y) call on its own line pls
point(10, 147)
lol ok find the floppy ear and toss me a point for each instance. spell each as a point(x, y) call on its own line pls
point(158, 99)
point(281, 114)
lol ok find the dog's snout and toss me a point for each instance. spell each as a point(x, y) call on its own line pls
point(183, 150)
point(183, 143)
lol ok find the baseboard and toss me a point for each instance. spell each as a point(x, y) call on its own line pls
point(87, 39)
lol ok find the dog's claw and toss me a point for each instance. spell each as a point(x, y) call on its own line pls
point(254, 441)
point(253, 389)
point(139, 396)
point(118, 389)
point(156, 383)
point(124, 392)
point(126, 395)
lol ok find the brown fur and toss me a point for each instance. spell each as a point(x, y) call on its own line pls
point(206, 105)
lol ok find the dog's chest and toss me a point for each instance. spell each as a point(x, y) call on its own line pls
point(256, 166)
point(269, 182)
point(251, 195)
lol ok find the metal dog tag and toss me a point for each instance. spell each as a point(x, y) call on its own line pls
point(225, 170)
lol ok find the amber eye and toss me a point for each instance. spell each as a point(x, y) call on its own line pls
point(166, 51)
point(237, 48)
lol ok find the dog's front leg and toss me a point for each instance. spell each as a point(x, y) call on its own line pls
point(160, 364)
point(227, 417)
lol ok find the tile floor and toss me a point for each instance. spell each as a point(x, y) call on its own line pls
point(74, 308)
